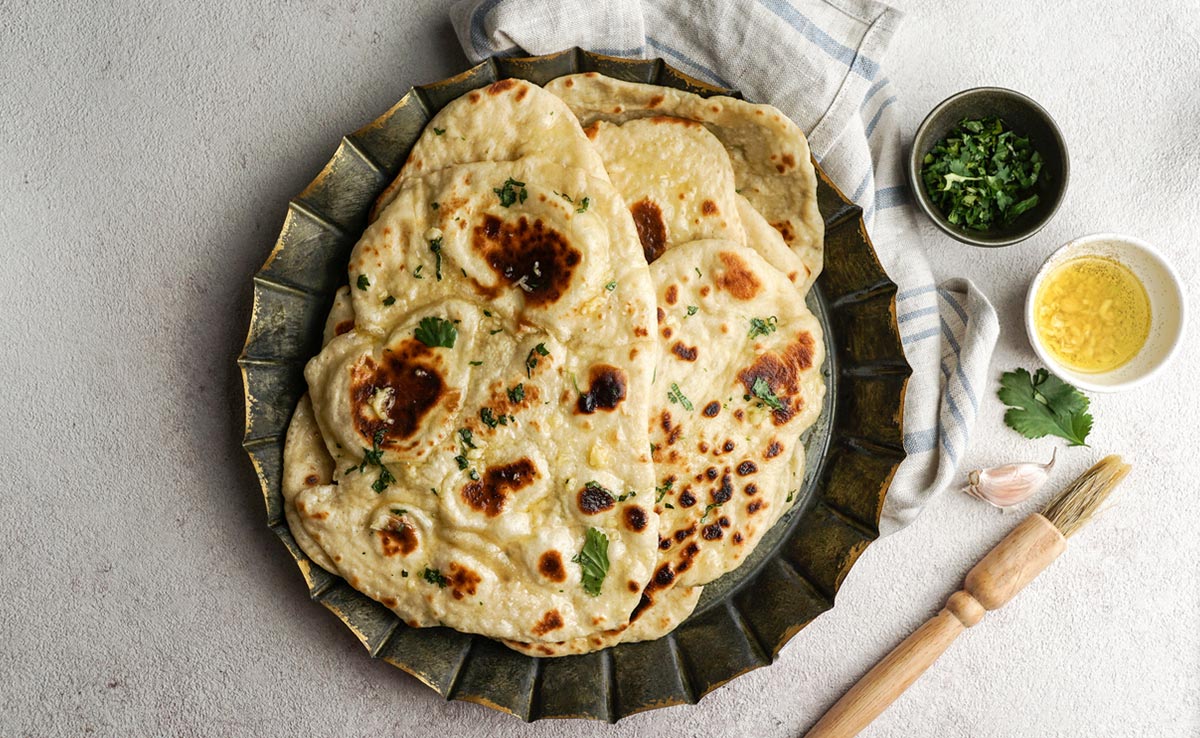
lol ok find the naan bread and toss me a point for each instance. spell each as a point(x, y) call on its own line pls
point(505, 121)
point(456, 479)
point(675, 177)
point(771, 161)
point(485, 544)
point(728, 407)
point(306, 464)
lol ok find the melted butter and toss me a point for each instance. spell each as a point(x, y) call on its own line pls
point(1092, 314)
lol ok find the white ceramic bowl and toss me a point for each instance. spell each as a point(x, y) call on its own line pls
point(1167, 310)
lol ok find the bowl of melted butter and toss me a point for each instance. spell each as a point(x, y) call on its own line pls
point(1105, 312)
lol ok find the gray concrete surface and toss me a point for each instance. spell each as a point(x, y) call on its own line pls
point(146, 155)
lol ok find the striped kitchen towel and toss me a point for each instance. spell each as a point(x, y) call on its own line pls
point(820, 61)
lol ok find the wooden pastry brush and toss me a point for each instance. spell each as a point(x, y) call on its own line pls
point(995, 580)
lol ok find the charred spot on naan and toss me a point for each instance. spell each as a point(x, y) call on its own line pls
point(684, 353)
point(551, 620)
point(736, 277)
point(463, 581)
point(651, 229)
point(635, 518)
point(593, 499)
point(398, 538)
point(781, 372)
point(489, 494)
point(550, 565)
point(500, 86)
point(606, 389)
point(393, 396)
point(531, 256)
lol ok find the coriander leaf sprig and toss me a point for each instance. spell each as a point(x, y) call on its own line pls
point(982, 174)
point(593, 560)
point(1043, 405)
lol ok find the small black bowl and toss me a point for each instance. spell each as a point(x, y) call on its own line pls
point(1022, 115)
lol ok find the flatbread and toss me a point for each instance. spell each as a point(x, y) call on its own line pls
point(306, 464)
point(771, 161)
point(505, 121)
point(675, 177)
point(456, 478)
point(535, 272)
point(728, 464)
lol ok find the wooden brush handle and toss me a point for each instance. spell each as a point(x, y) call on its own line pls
point(995, 580)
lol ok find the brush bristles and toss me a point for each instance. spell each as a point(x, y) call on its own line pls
point(1076, 505)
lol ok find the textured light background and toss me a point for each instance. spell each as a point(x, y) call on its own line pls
point(146, 156)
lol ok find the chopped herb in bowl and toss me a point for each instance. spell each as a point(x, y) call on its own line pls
point(982, 174)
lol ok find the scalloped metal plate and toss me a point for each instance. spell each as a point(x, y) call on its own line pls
point(744, 618)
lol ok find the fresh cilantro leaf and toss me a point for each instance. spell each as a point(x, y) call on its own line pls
point(676, 396)
point(662, 489)
point(374, 457)
point(692, 309)
point(474, 475)
point(436, 247)
point(583, 205)
point(489, 418)
point(564, 196)
point(385, 479)
point(465, 435)
point(763, 391)
point(791, 495)
point(438, 131)
point(517, 394)
point(982, 174)
point(531, 361)
point(389, 301)
point(627, 496)
point(593, 560)
point(461, 461)
point(433, 332)
point(509, 194)
point(476, 363)
point(707, 509)
point(433, 576)
point(611, 285)
point(760, 327)
point(363, 283)
point(1044, 405)
point(417, 271)
point(434, 205)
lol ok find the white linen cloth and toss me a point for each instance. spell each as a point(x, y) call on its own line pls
point(820, 62)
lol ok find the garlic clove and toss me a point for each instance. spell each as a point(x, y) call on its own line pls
point(1008, 485)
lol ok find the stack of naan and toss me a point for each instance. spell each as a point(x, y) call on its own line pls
point(566, 383)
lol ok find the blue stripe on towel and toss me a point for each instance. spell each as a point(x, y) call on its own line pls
point(927, 333)
point(918, 442)
point(915, 291)
point(636, 51)
point(859, 64)
point(928, 310)
point(890, 197)
point(879, 83)
point(878, 114)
